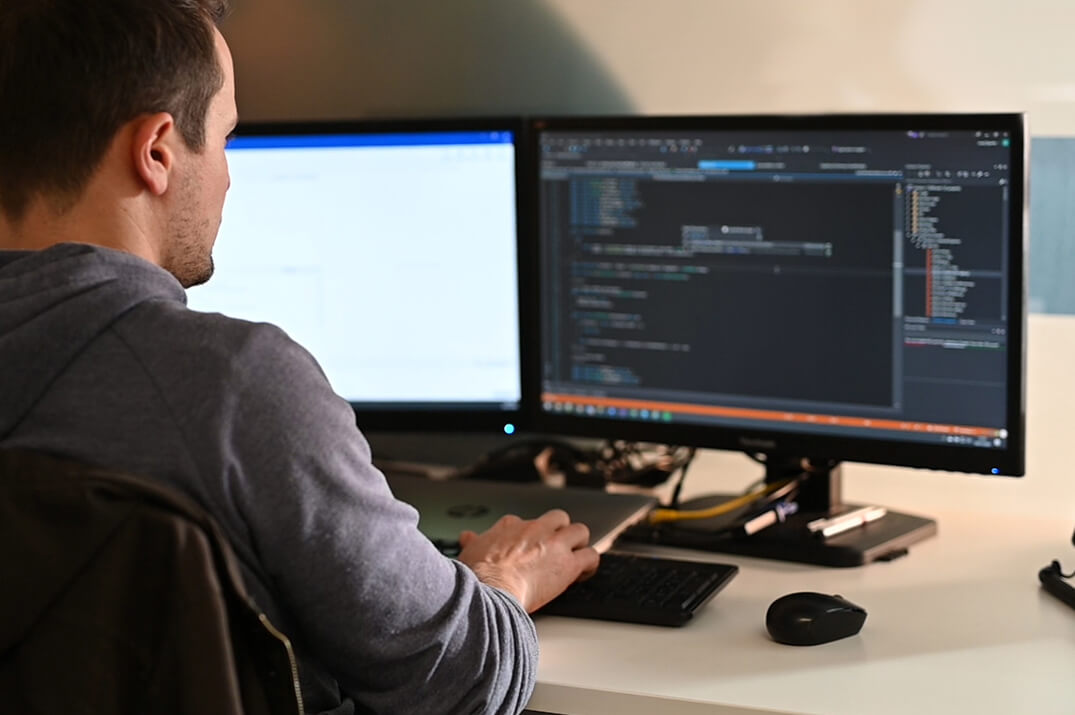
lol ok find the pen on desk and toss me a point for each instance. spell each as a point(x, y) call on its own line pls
point(845, 522)
point(778, 512)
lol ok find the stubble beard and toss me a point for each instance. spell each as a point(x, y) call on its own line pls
point(190, 246)
point(191, 258)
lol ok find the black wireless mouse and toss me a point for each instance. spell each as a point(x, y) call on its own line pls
point(808, 618)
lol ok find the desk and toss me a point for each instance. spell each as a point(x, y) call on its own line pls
point(959, 625)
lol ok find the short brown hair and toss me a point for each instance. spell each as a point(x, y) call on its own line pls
point(72, 72)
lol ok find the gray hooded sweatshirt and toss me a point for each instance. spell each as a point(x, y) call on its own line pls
point(102, 361)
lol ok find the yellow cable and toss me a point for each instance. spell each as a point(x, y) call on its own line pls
point(662, 516)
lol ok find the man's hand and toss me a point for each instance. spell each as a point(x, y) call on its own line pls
point(534, 560)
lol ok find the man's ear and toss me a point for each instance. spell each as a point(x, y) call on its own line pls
point(153, 149)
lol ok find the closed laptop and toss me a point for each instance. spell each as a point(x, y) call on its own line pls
point(447, 507)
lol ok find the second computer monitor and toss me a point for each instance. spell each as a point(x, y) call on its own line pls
point(836, 287)
point(390, 251)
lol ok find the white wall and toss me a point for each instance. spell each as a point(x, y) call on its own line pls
point(831, 55)
point(409, 57)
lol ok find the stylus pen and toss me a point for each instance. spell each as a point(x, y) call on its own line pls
point(845, 522)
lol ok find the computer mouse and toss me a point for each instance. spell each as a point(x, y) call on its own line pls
point(809, 618)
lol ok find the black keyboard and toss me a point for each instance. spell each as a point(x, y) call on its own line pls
point(643, 589)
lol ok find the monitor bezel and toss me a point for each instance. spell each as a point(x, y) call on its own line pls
point(774, 442)
point(439, 417)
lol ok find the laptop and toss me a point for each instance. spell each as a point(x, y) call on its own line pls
point(447, 507)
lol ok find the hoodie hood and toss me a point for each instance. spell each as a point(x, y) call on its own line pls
point(54, 303)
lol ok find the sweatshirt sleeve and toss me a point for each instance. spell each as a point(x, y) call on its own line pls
point(401, 627)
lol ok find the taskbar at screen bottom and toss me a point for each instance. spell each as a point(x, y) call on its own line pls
point(662, 412)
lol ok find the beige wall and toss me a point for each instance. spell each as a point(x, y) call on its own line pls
point(342, 58)
point(834, 55)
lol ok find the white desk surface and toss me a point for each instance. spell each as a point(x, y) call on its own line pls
point(960, 624)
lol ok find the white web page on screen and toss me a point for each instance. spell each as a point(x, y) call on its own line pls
point(395, 266)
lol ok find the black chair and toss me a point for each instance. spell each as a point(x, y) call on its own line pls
point(120, 595)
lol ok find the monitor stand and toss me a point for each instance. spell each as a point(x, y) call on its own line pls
point(818, 497)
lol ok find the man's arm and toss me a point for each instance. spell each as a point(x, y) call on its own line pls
point(399, 626)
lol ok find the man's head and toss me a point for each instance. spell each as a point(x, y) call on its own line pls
point(75, 75)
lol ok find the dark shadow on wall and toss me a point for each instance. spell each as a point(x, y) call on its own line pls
point(314, 59)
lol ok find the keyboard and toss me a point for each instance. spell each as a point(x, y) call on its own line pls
point(643, 589)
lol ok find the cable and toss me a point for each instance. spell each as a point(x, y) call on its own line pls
point(631, 463)
point(674, 502)
point(662, 516)
point(1052, 580)
point(615, 462)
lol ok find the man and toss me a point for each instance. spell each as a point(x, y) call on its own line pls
point(114, 115)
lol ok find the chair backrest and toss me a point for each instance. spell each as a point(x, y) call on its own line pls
point(120, 595)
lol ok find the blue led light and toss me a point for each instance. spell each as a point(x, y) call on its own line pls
point(509, 428)
point(994, 470)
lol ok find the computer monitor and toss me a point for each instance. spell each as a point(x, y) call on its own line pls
point(808, 289)
point(390, 250)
